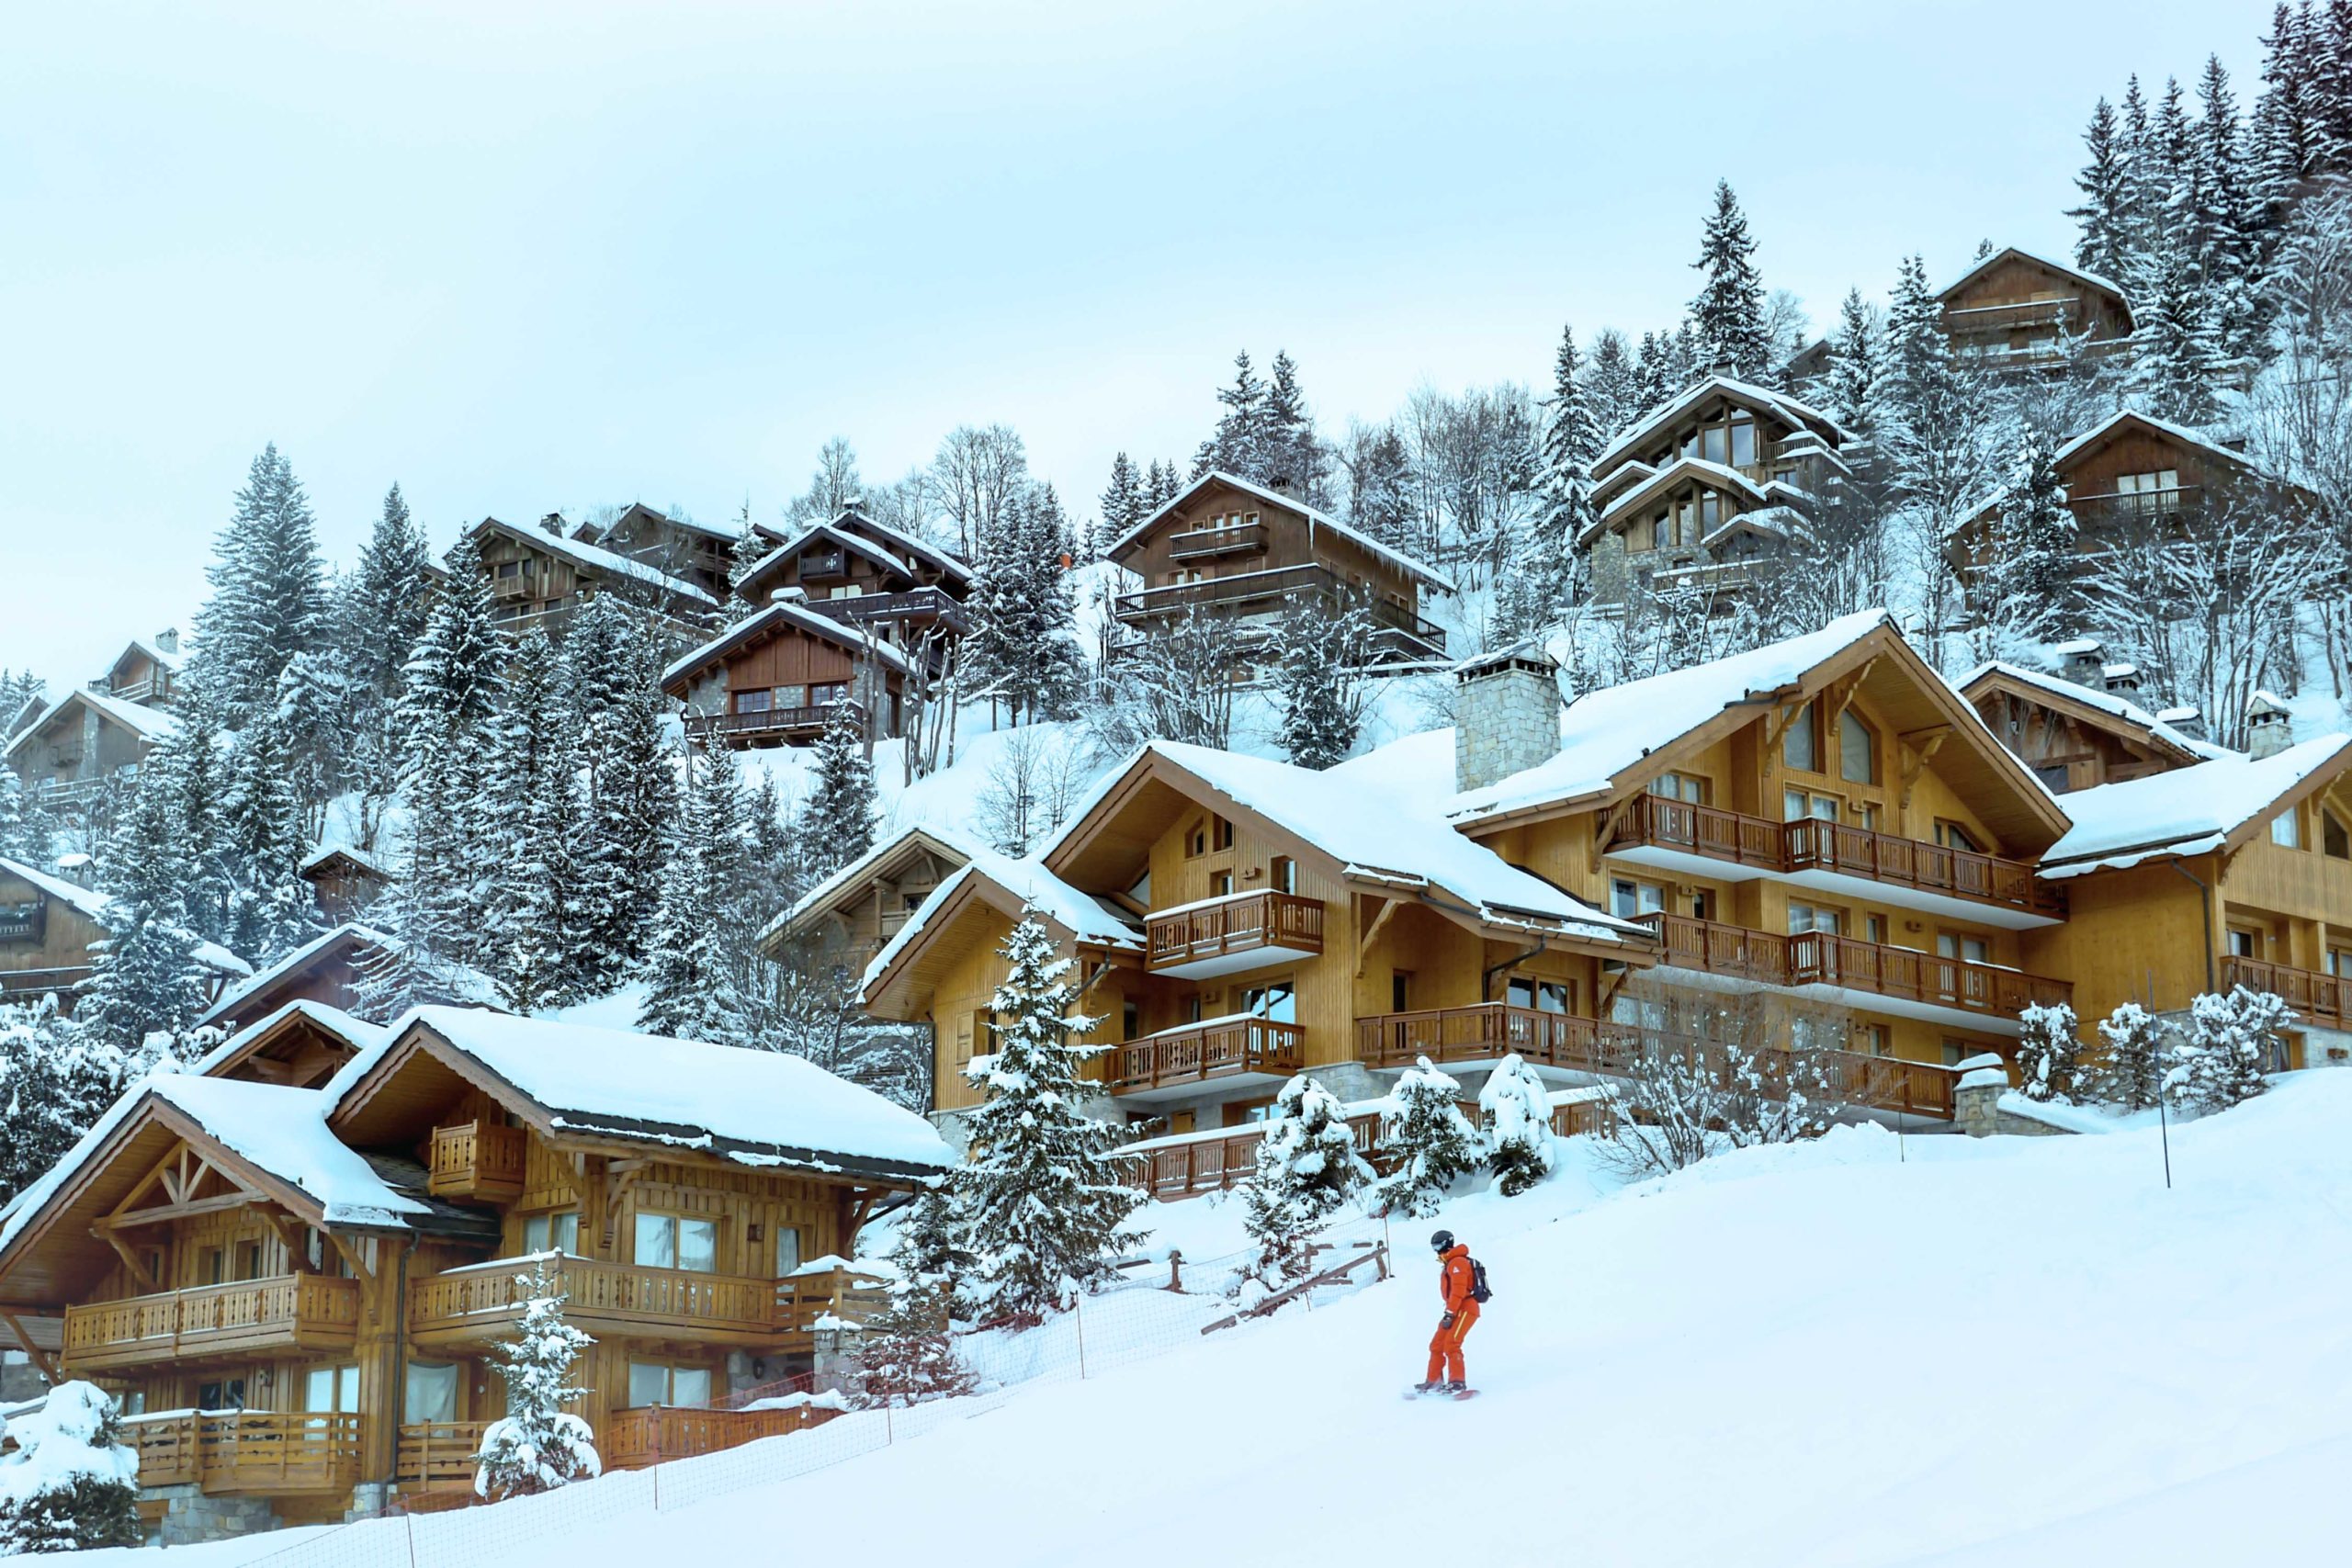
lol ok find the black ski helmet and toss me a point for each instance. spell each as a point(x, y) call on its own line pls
point(1442, 1242)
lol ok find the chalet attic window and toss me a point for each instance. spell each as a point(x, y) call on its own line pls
point(1196, 840)
point(671, 1241)
point(1953, 836)
point(2333, 838)
point(1222, 833)
point(1742, 440)
point(2287, 829)
point(1715, 443)
point(2149, 493)
point(552, 1232)
point(1800, 743)
point(1857, 750)
point(1680, 786)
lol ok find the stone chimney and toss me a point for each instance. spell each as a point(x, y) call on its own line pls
point(168, 639)
point(1506, 714)
point(2270, 727)
point(2123, 680)
point(2081, 660)
point(2188, 721)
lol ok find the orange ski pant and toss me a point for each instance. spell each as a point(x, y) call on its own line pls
point(1445, 1345)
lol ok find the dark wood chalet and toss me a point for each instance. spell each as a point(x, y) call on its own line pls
point(68, 752)
point(346, 880)
point(541, 577)
point(2076, 735)
point(1708, 487)
point(1239, 551)
point(2014, 310)
point(871, 575)
point(49, 928)
point(855, 911)
point(675, 546)
point(782, 676)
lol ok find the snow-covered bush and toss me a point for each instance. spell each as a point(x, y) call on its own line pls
point(1517, 1113)
point(2048, 1050)
point(1042, 1194)
point(1433, 1143)
point(2133, 1074)
point(1754, 1070)
point(1307, 1167)
point(72, 1484)
point(2221, 1058)
point(538, 1446)
point(56, 1078)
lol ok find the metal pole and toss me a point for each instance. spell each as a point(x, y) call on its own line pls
point(1077, 1309)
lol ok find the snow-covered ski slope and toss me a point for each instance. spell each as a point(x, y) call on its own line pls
point(2014, 1351)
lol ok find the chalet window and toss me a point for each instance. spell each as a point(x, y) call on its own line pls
point(1710, 512)
point(1857, 750)
point(1743, 440)
point(1277, 1001)
point(825, 696)
point(788, 1249)
point(1192, 1008)
point(2054, 777)
point(1967, 949)
point(1684, 787)
point(1400, 992)
point(791, 696)
point(1873, 1040)
point(1689, 447)
point(1799, 746)
point(1804, 917)
point(1796, 805)
point(1715, 443)
point(552, 1232)
point(430, 1392)
point(249, 1261)
point(2243, 943)
point(2150, 493)
point(1953, 836)
point(657, 1383)
point(510, 569)
point(1220, 884)
point(2333, 838)
point(751, 701)
point(1222, 834)
point(1542, 995)
point(1283, 876)
point(133, 1401)
point(1130, 1021)
point(229, 1394)
point(1196, 840)
point(671, 1241)
point(331, 1389)
point(212, 1266)
point(1628, 899)
point(2287, 829)
point(1958, 1051)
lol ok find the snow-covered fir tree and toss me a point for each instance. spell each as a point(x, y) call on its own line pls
point(22, 838)
point(2132, 1074)
point(69, 1482)
point(531, 938)
point(1241, 442)
point(2226, 1049)
point(1728, 312)
point(906, 1354)
point(2176, 360)
point(2225, 219)
point(1041, 1196)
point(270, 597)
point(1022, 649)
point(618, 719)
point(1306, 1170)
point(1564, 512)
point(271, 908)
point(1124, 501)
point(380, 617)
point(1293, 458)
point(1848, 390)
point(538, 1446)
point(1380, 488)
point(2027, 590)
point(1612, 384)
point(57, 1078)
point(1517, 1110)
point(1320, 679)
point(144, 977)
point(2048, 1053)
point(2104, 246)
point(452, 689)
point(837, 821)
point(690, 973)
point(1432, 1142)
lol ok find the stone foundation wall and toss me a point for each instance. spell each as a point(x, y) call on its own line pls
point(191, 1517)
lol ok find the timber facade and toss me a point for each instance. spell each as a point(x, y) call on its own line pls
point(788, 674)
point(853, 914)
point(541, 577)
point(2016, 311)
point(872, 577)
point(50, 930)
point(675, 546)
point(75, 755)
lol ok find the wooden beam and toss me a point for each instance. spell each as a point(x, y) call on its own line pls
point(621, 1175)
point(41, 1358)
point(130, 1261)
point(1917, 763)
point(1845, 691)
point(298, 1251)
point(1608, 825)
point(1367, 935)
point(351, 1255)
point(156, 1215)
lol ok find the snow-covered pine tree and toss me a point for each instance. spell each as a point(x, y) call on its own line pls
point(71, 1482)
point(1572, 440)
point(380, 617)
point(2144, 185)
point(907, 1353)
point(531, 935)
point(1324, 649)
point(451, 692)
point(837, 822)
point(1022, 649)
point(1432, 1142)
point(57, 1078)
point(2133, 1072)
point(1307, 1170)
point(270, 597)
point(1241, 443)
point(2031, 588)
point(750, 548)
point(538, 1446)
point(18, 840)
point(2048, 1053)
point(2177, 359)
point(2289, 132)
point(2104, 245)
point(690, 972)
point(144, 977)
point(1293, 455)
point(272, 909)
point(2227, 220)
point(1123, 499)
point(1042, 1197)
point(1612, 384)
point(1380, 488)
point(1516, 1108)
point(1729, 309)
point(2226, 1049)
point(1849, 389)
point(619, 719)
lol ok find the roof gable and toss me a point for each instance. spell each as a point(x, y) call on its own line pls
point(2216, 806)
point(780, 619)
point(302, 1043)
point(1788, 411)
point(593, 559)
point(2127, 421)
point(1420, 571)
point(940, 932)
point(2056, 269)
point(147, 726)
point(884, 861)
point(2101, 710)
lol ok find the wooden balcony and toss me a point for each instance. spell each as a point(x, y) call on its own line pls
point(1247, 538)
point(2321, 1000)
point(821, 565)
point(770, 727)
point(919, 605)
point(2114, 509)
point(1240, 1046)
point(802, 1300)
point(1191, 1164)
point(1820, 853)
point(652, 1434)
point(1397, 628)
point(481, 1303)
point(438, 1453)
point(247, 1450)
point(293, 1311)
point(1914, 983)
point(478, 1159)
point(1242, 931)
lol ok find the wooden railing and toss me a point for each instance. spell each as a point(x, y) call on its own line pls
point(1240, 590)
point(774, 721)
point(293, 1311)
point(1216, 1049)
point(1194, 1165)
point(655, 1433)
point(137, 691)
point(912, 604)
point(481, 1301)
point(248, 1450)
point(1195, 543)
point(1817, 958)
point(1813, 844)
point(1714, 948)
point(1234, 925)
point(2136, 506)
point(440, 1452)
point(2322, 999)
point(476, 1159)
point(802, 1299)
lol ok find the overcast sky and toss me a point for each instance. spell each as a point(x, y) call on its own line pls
point(522, 257)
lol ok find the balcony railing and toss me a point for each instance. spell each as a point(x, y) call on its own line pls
point(1187, 1165)
point(25, 923)
point(1818, 958)
point(439, 1452)
point(306, 1311)
point(1203, 932)
point(746, 726)
point(823, 563)
point(912, 604)
point(655, 1433)
point(482, 1302)
point(2115, 508)
point(1261, 590)
point(248, 1450)
point(802, 1300)
point(2322, 999)
point(478, 1159)
point(1245, 538)
point(1812, 844)
point(1213, 1049)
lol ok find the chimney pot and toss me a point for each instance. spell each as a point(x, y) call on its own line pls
point(2270, 727)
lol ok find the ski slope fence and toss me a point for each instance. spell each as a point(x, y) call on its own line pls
point(1135, 1319)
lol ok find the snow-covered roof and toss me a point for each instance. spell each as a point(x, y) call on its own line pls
point(351, 852)
point(1606, 732)
point(358, 1033)
point(2110, 703)
point(792, 547)
point(350, 930)
point(156, 653)
point(862, 867)
point(1086, 918)
point(95, 904)
point(1315, 519)
point(596, 558)
point(1791, 409)
point(1728, 480)
point(757, 1108)
point(953, 564)
point(280, 1131)
point(775, 619)
point(2179, 433)
point(2063, 268)
point(2187, 811)
point(706, 530)
point(150, 725)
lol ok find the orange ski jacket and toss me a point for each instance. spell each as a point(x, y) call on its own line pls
point(1455, 1279)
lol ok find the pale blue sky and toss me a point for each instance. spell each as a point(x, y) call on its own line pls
point(523, 256)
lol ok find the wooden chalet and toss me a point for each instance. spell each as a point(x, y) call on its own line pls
point(85, 748)
point(292, 1291)
point(855, 911)
point(330, 970)
point(781, 677)
point(346, 879)
point(301, 1045)
point(2075, 734)
point(872, 577)
point(541, 576)
point(1705, 493)
point(1241, 552)
point(677, 547)
point(49, 930)
point(2014, 310)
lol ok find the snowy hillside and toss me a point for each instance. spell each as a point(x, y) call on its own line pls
point(1858, 1351)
